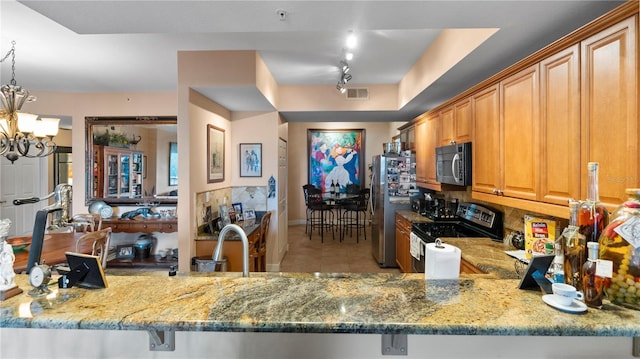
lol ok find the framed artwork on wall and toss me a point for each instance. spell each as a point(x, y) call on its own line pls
point(250, 160)
point(215, 154)
point(335, 156)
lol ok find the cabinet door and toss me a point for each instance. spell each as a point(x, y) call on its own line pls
point(462, 121)
point(486, 140)
point(399, 249)
point(560, 126)
point(421, 153)
point(520, 162)
point(455, 123)
point(610, 110)
point(400, 244)
point(447, 126)
point(430, 150)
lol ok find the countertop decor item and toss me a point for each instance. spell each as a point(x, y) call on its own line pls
point(8, 287)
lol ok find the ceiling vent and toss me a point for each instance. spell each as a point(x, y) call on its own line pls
point(361, 93)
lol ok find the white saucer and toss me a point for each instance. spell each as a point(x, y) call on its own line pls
point(575, 307)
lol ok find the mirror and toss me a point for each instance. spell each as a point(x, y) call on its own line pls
point(127, 159)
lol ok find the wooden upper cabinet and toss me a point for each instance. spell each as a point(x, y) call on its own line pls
point(609, 113)
point(560, 127)
point(421, 152)
point(520, 133)
point(447, 135)
point(486, 140)
point(426, 135)
point(455, 123)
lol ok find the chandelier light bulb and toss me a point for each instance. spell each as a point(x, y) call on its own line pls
point(27, 122)
point(50, 126)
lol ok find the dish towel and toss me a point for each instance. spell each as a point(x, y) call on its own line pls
point(415, 246)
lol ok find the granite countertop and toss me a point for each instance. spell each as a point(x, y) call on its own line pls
point(476, 304)
point(307, 303)
point(412, 216)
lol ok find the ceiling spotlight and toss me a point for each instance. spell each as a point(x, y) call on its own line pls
point(345, 67)
point(346, 78)
point(351, 41)
point(340, 87)
point(348, 56)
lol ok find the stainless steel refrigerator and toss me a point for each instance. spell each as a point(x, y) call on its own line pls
point(393, 183)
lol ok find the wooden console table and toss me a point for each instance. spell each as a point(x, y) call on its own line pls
point(141, 225)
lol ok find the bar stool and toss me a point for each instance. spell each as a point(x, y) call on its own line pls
point(355, 215)
point(319, 214)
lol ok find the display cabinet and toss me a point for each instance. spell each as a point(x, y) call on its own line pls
point(118, 172)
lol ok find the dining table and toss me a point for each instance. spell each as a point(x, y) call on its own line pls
point(334, 201)
point(54, 249)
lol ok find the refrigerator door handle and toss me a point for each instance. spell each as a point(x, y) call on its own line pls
point(371, 194)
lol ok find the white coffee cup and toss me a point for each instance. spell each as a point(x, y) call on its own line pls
point(565, 293)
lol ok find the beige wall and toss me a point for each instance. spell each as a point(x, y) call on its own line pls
point(376, 133)
point(80, 105)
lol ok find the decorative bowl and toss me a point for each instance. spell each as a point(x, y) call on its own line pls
point(19, 243)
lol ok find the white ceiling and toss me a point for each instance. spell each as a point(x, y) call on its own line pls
point(104, 46)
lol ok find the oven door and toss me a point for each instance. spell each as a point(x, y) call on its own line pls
point(417, 265)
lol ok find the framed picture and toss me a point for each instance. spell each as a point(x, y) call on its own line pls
point(224, 214)
point(173, 163)
point(215, 154)
point(124, 251)
point(237, 207)
point(250, 160)
point(335, 156)
point(249, 216)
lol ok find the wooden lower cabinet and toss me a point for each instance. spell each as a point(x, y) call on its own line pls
point(468, 268)
point(232, 250)
point(403, 255)
point(141, 225)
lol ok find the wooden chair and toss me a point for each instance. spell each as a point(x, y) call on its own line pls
point(101, 240)
point(259, 255)
point(88, 222)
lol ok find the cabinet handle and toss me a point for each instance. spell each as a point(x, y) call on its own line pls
point(494, 191)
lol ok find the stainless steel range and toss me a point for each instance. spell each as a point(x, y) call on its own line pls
point(470, 220)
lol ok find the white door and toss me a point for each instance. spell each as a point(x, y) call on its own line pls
point(26, 177)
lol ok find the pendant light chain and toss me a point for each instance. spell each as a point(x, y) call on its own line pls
point(12, 52)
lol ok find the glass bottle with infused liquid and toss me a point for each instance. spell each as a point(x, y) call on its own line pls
point(620, 243)
point(592, 284)
point(574, 246)
point(592, 215)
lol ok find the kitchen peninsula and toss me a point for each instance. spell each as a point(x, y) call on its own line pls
point(486, 306)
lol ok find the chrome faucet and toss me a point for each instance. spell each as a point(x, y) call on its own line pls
point(245, 247)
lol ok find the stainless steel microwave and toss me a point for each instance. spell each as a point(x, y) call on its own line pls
point(453, 164)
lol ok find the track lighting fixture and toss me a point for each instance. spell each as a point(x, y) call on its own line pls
point(345, 66)
point(344, 76)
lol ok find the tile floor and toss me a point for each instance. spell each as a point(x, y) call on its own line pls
point(332, 256)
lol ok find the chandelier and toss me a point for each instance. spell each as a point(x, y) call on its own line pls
point(22, 134)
